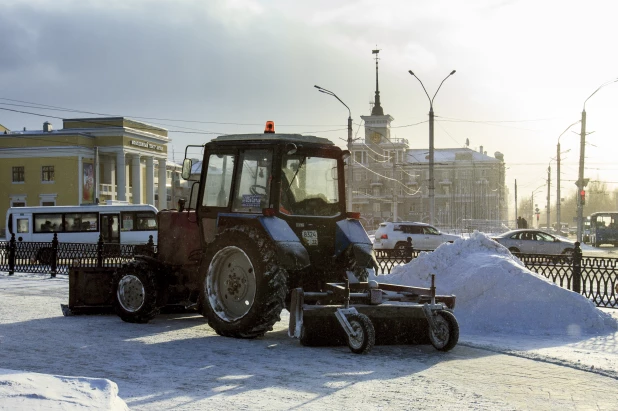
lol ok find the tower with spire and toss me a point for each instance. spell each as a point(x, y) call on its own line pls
point(377, 125)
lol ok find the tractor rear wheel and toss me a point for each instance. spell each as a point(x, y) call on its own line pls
point(135, 292)
point(446, 334)
point(244, 287)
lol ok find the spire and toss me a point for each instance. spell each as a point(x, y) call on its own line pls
point(377, 108)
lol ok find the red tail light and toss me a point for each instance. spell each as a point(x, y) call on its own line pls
point(268, 212)
point(353, 214)
point(384, 236)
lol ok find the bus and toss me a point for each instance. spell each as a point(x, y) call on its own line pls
point(604, 228)
point(116, 223)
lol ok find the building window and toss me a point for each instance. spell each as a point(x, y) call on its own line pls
point(18, 174)
point(47, 173)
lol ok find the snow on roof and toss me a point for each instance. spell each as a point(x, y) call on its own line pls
point(497, 293)
point(448, 155)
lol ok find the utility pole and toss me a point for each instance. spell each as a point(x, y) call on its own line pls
point(580, 179)
point(558, 220)
point(581, 183)
point(516, 203)
point(394, 158)
point(548, 198)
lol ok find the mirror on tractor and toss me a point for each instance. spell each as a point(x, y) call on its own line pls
point(187, 164)
point(290, 149)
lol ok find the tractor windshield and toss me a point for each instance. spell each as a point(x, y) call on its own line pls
point(309, 186)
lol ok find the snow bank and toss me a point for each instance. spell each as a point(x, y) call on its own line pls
point(32, 391)
point(497, 293)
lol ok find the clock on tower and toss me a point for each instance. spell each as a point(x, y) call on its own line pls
point(376, 137)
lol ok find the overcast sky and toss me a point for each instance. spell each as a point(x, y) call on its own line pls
point(524, 70)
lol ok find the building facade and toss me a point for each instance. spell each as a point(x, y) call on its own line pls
point(89, 160)
point(391, 180)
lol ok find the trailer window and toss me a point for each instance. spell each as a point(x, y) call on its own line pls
point(22, 225)
point(47, 223)
point(76, 222)
point(146, 220)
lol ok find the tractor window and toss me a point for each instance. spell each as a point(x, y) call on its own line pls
point(253, 181)
point(309, 186)
point(218, 180)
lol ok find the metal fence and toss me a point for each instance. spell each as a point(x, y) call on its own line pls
point(596, 278)
point(56, 258)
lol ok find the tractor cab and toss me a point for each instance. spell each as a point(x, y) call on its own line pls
point(290, 185)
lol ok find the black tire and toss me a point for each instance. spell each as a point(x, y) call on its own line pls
point(400, 249)
point(568, 254)
point(365, 334)
point(244, 287)
point(44, 256)
point(514, 250)
point(447, 334)
point(135, 292)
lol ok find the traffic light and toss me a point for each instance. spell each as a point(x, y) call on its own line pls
point(582, 196)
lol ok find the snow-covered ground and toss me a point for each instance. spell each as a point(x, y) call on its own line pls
point(501, 307)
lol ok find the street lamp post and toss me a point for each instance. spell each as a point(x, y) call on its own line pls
point(581, 183)
point(351, 160)
point(432, 200)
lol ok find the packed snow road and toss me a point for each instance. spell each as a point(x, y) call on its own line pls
point(178, 362)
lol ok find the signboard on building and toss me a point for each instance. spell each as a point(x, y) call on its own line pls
point(88, 183)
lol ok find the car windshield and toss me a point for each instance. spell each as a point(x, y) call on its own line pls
point(309, 186)
point(431, 230)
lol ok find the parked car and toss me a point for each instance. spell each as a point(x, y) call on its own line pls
point(530, 241)
point(394, 236)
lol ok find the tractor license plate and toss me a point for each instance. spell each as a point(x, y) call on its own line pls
point(310, 237)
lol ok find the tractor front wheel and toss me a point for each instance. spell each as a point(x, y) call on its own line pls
point(244, 286)
point(135, 293)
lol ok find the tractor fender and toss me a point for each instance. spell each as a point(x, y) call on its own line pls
point(351, 234)
point(292, 253)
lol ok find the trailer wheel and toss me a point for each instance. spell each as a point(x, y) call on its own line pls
point(244, 286)
point(135, 292)
point(365, 337)
point(445, 337)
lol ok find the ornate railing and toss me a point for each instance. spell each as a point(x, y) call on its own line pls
point(596, 278)
point(56, 258)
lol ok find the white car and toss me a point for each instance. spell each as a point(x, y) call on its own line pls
point(534, 242)
point(394, 236)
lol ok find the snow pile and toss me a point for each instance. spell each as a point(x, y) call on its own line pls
point(32, 391)
point(497, 293)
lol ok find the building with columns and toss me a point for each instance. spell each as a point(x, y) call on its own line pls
point(391, 179)
point(89, 160)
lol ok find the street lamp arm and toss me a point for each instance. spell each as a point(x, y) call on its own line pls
point(567, 129)
point(330, 93)
point(436, 93)
point(600, 87)
point(422, 85)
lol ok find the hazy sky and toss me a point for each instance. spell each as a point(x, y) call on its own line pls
point(524, 70)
